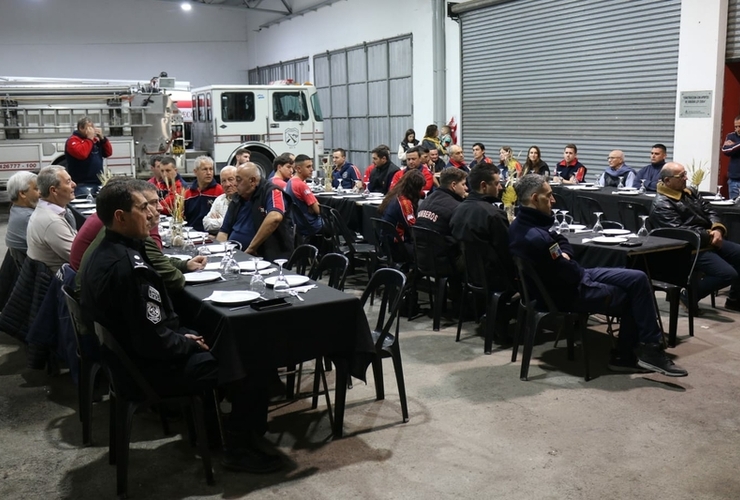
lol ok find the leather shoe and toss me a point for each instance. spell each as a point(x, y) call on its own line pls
point(732, 304)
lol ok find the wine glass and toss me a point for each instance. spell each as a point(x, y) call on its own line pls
point(564, 227)
point(598, 228)
point(555, 226)
point(281, 282)
point(643, 232)
point(719, 193)
point(642, 187)
point(257, 282)
point(89, 197)
point(621, 183)
point(230, 270)
point(188, 247)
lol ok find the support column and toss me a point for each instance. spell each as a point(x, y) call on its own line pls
point(439, 16)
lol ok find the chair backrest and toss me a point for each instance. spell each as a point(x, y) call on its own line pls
point(687, 235)
point(342, 229)
point(629, 214)
point(303, 258)
point(385, 233)
point(18, 256)
point(391, 283)
point(431, 252)
point(120, 367)
point(586, 207)
point(531, 285)
point(611, 224)
point(80, 327)
point(475, 266)
point(336, 265)
point(330, 233)
point(560, 202)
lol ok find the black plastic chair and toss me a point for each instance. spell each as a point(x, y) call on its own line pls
point(384, 235)
point(344, 241)
point(629, 214)
point(536, 319)
point(390, 283)
point(681, 280)
point(432, 260)
point(560, 202)
point(611, 224)
point(586, 207)
point(89, 367)
point(122, 372)
point(304, 259)
point(475, 281)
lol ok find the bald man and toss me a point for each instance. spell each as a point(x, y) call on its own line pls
point(258, 217)
point(617, 172)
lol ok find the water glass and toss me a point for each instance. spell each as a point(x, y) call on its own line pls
point(642, 187)
point(598, 228)
point(564, 227)
point(643, 232)
point(257, 282)
point(281, 282)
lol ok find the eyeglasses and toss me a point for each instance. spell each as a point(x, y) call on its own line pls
point(680, 176)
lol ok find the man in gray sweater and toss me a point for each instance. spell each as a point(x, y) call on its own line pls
point(24, 195)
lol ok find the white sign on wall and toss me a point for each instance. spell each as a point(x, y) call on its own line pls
point(696, 104)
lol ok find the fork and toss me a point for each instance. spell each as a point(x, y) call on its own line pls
point(295, 294)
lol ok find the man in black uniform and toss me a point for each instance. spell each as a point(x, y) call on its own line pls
point(122, 291)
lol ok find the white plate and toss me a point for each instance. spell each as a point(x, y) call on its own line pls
point(233, 297)
point(351, 196)
point(374, 202)
point(79, 200)
point(723, 203)
point(201, 276)
point(616, 232)
point(630, 192)
point(589, 188)
point(88, 212)
point(85, 205)
point(375, 195)
point(217, 247)
point(293, 280)
point(576, 227)
point(712, 198)
point(249, 265)
point(609, 240)
point(181, 256)
point(325, 193)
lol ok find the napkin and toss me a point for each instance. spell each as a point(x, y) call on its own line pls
point(586, 240)
point(302, 289)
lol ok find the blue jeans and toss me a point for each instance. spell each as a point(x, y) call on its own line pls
point(733, 187)
point(720, 267)
point(621, 292)
point(83, 189)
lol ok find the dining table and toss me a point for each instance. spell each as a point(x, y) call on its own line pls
point(356, 210)
point(321, 322)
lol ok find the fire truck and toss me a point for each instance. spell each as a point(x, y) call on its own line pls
point(38, 115)
point(269, 120)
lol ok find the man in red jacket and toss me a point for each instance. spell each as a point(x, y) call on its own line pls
point(84, 153)
point(413, 162)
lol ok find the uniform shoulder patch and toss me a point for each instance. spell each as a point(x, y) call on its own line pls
point(137, 261)
point(153, 312)
point(154, 294)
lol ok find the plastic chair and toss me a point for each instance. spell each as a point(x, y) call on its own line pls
point(536, 319)
point(476, 281)
point(586, 207)
point(432, 261)
point(560, 202)
point(88, 365)
point(682, 280)
point(390, 283)
point(384, 235)
point(304, 259)
point(344, 241)
point(611, 224)
point(122, 372)
point(629, 214)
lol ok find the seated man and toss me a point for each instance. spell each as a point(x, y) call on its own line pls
point(570, 170)
point(283, 170)
point(202, 193)
point(479, 156)
point(259, 217)
point(241, 156)
point(623, 292)
point(345, 174)
point(651, 173)
point(170, 185)
point(170, 269)
point(49, 234)
point(382, 171)
point(24, 195)
point(617, 173)
point(215, 217)
point(154, 164)
point(415, 162)
point(306, 211)
point(457, 158)
point(121, 291)
point(679, 206)
point(478, 220)
point(435, 211)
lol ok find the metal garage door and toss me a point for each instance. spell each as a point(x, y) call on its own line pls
point(733, 30)
point(296, 70)
point(597, 73)
point(366, 96)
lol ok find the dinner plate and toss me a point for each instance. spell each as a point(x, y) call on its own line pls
point(589, 188)
point(217, 247)
point(615, 232)
point(293, 280)
point(609, 240)
point(202, 276)
point(181, 256)
point(88, 212)
point(233, 297)
point(713, 197)
point(576, 227)
point(722, 203)
point(351, 196)
point(249, 265)
point(85, 205)
point(629, 192)
point(325, 193)
point(374, 202)
point(375, 195)
point(79, 200)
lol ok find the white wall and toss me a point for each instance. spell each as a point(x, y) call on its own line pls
point(701, 56)
point(115, 39)
point(353, 22)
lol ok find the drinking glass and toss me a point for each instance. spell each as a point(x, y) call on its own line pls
point(719, 193)
point(89, 197)
point(231, 270)
point(643, 232)
point(257, 282)
point(598, 228)
point(281, 282)
point(621, 183)
point(642, 187)
point(564, 227)
point(555, 226)
point(188, 247)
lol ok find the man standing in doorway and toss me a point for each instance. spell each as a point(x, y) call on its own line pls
point(731, 148)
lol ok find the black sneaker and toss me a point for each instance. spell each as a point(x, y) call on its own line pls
point(624, 363)
point(732, 304)
point(652, 357)
point(250, 460)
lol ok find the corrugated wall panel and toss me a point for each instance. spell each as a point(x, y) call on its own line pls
point(733, 30)
point(296, 70)
point(593, 72)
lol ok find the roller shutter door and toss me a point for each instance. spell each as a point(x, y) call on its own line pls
point(296, 70)
point(733, 31)
point(366, 96)
point(597, 73)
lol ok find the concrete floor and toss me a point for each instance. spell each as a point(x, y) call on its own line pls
point(476, 430)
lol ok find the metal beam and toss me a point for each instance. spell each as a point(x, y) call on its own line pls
point(301, 12)
point(287, 7)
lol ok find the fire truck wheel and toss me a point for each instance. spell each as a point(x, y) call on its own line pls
point(263, 161)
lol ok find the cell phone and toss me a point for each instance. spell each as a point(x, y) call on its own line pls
point(631, 244)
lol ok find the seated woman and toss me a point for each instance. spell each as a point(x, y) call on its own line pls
point(534, 163)
point(399, 208)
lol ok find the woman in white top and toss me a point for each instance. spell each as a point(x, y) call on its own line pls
point(409, 141)
point(214, 219)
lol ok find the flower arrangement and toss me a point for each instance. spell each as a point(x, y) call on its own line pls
point(175, 205)
point(328, 171)
point(697, 171)
point(105, 176)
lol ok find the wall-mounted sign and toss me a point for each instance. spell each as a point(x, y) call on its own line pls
point(696, 104)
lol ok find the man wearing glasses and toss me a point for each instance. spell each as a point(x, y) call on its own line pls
point(679, 206)
point(617, 172)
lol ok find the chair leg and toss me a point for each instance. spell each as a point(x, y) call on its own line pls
point(462, 311)
point(192, 426)
point(196, 404)
point(529, 334)
point(398, 368)
point(86, 388)
point(124, 417)
point(290, 382)
point(673, 300)
point(316, 381)
point(581, 325)
point(378, 376)
point(163, 420)
point(491, 322)
point(521, 318)
point(439, 302)
point(693, 304)
point(113, 404)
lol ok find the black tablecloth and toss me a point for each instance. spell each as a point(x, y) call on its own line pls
point(354, 212)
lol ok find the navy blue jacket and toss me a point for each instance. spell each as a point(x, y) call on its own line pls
point(733, 151)
point(651, 174)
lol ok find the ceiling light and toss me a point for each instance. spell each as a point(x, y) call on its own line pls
point(186, 6)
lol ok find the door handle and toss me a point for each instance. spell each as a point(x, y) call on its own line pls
point(274, 125)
